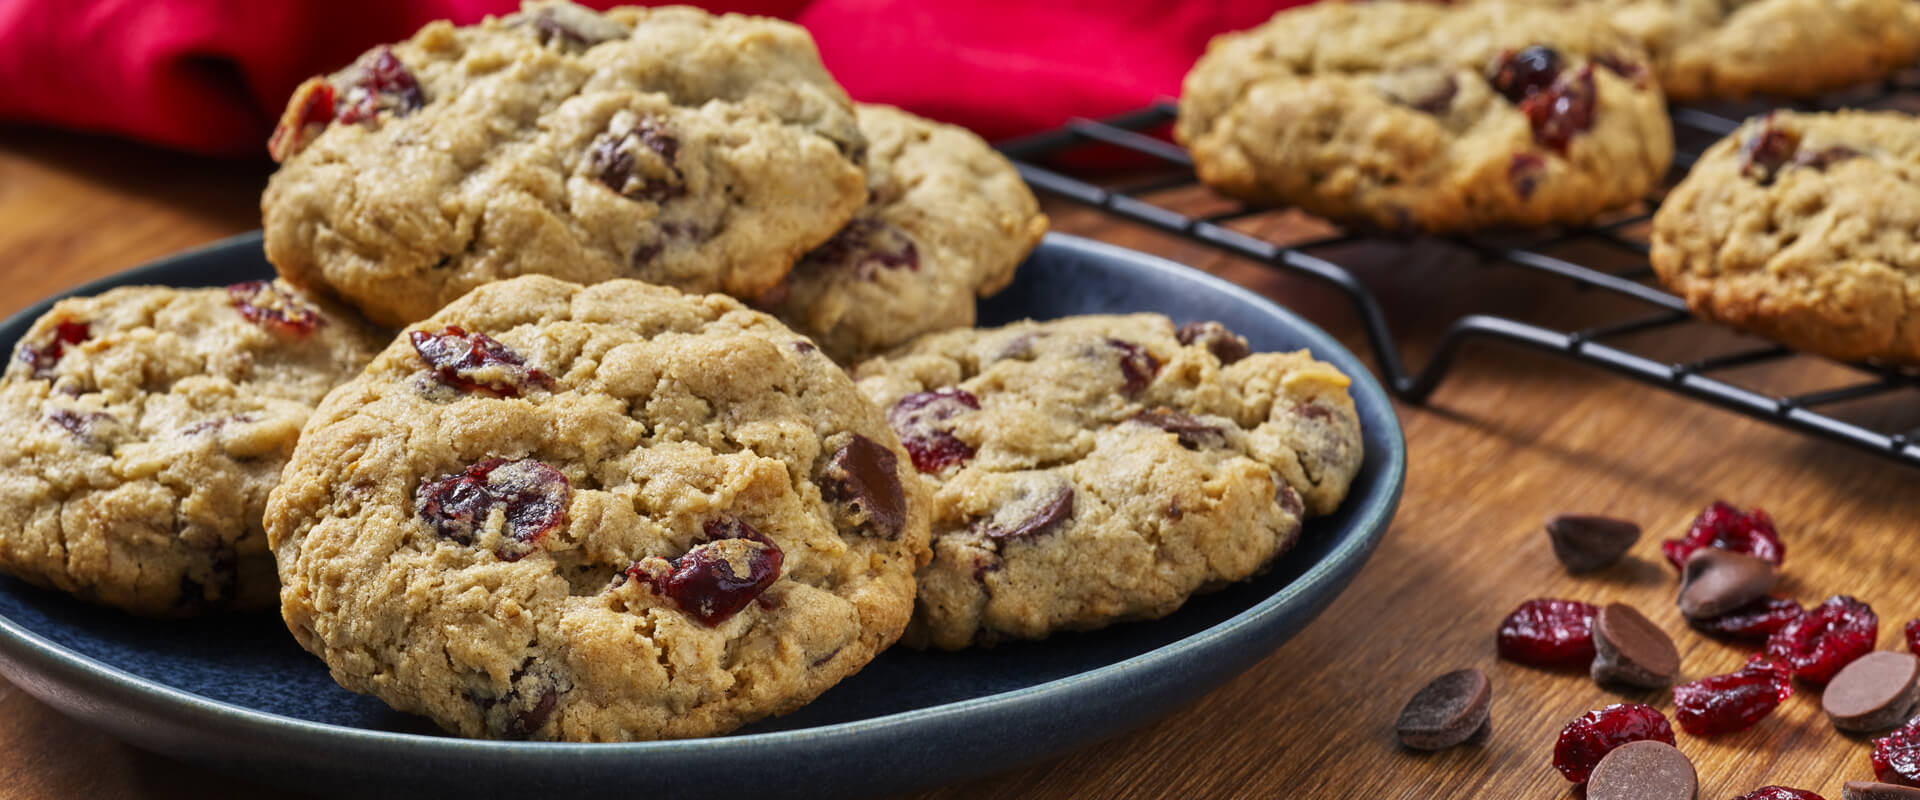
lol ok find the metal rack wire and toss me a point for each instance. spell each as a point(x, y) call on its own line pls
point(1705, 378)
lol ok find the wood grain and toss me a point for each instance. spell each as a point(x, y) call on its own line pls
point(1509, 439)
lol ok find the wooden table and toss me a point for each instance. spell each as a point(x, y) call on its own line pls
point(1509, 439)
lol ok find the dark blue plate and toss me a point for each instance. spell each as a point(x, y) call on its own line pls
point(237, 695)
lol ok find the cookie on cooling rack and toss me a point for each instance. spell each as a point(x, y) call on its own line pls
point(1788, 48)
point(599, 513)
point(145, 427)
point(947, 220)
point(670, 145)
point(1096, 469)
point(1415, 115)
point(1801, 227)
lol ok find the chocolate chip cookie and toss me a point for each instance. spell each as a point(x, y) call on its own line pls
point(1096, 469)
point(145, 427)
point(599, 513)
point(1405, 115)
point(1801, 227)
point(1705, 49)
point(947, 220)
point(669, 145)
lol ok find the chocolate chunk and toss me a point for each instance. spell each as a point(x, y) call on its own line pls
point(1877, 691)
point(1717, 581)
point(1194, 433)
point(1630, 649)
point(1447, 712)
point(1054, 510)
point(1644, 770)
point(864, 475)
point(1218, 340)
point(1872, 790)
point(1585, 543)
point(1137, 366)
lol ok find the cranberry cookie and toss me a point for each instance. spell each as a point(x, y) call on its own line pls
point(947, 220)
point(1097, 469)
point(598, 513)
point(1705, 49)
point(669, 145)
point(145, 427)
point(1802, 228)
point(1407, 115)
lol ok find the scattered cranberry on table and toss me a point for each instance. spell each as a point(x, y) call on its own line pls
point(1550, 633)
point(1591, 736)
point(1825, 638)
point(1728, 528)
point(1732, 702)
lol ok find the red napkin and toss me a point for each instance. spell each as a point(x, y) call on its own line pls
point(211, 76)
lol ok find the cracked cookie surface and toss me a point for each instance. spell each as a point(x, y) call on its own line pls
point(947, 220)
point(1404, 115)
point(1704, 49)
point(1096, 469)
point(600, 513)
point(145, 427)
point(1802, 227)
point(667, 145)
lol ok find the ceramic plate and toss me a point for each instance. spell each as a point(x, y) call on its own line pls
point(237, 695)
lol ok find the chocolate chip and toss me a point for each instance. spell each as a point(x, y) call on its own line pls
point(1877, 691)
point(1585, 543)
point(1644, 770)
point(1826, 156)
point(1717, 581)
point(1524, 172)
point(1447, 712)
point(1289, 500)
point(1218, 340)
point(864, 475)
point(1192, 432)
point(1137, 366)
point(1630, 649)
point(530, 720)
point(1872, 790)
point(1056, 509)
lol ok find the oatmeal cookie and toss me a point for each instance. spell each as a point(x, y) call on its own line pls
point(1802, 227)
point(669, 145)
point(947, 220)
point(600, 513)
point(1442, 118)
point(145, 427)
point(1096, 469)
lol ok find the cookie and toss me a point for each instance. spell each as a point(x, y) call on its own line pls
point(599, 513)
point(947, 220)
point(1801, 227)
point(145, 427)
point(1706, 49)
point(1402, 115)
point(1096, 469)
point(668, 145)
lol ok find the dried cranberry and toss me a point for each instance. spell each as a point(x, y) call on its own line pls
point(1754, 621)
point(1518, 76)
point(1192, 432)
point(42, 358)
point(1591, 736)
point(1913, 636)
point(531, 496)
point(1556, 634)
point(79, 425)
point(1896, 757)
point(916, 418)
point(1825, 638)
point(308, 111)
point(1727, 528)
point(475, 362)
point(1524, 172)
point(1779, 793)
point(1768, 148)
point(613, 159)
point(1562, 111)
point(380, 82)
point(866, 245)
point(264, 304)
point(703, 581)
point(1734, 701)
point(1137, 366)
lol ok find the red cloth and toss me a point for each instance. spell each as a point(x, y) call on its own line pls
point(211, 76)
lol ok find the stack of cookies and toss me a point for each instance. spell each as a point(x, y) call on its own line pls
point(679, 418)
point(1514, 113)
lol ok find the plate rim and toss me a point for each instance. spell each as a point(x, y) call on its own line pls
point(96, 678)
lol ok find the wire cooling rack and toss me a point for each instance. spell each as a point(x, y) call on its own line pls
point(1714, 378)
